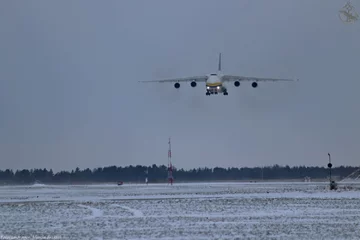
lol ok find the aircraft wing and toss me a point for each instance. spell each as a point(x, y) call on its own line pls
point(186, 79)
point(232, 78)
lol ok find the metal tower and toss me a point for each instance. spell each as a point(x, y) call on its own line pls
point(146, 175)
point(170, 167)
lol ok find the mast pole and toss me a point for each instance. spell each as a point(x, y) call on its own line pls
point(170, 176)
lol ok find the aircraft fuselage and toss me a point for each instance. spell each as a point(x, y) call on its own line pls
point(214, 85)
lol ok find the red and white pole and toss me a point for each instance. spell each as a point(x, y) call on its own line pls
point(170, 173)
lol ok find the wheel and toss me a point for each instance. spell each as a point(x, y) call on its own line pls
point(225, 93)
point(207, 94)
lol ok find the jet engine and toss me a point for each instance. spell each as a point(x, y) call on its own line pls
point(254, 84)
point(177, 85)
point(193, 84)
point(237, 83)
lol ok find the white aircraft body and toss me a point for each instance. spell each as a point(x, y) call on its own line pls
point(214, 82)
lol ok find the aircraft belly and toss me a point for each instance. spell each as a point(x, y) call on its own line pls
point(214, 84)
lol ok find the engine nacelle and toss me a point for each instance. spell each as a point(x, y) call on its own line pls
point(177, 85)
point(193, 84)
point(254, 84)
point(237, 83)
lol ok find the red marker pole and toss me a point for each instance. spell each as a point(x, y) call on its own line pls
point(170, 174)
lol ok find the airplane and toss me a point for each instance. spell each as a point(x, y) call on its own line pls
point(214, 82)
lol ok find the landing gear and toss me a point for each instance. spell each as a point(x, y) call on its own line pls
point(208, 93)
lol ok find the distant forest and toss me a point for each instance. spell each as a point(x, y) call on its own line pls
point(157, 174)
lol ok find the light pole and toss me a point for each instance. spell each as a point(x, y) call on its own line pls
point(332, 183)
point(329, 166)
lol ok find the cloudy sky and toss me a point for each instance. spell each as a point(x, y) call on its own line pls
point(69, 95)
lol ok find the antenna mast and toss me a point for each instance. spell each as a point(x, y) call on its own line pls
point(170, 169)
point(146, 175)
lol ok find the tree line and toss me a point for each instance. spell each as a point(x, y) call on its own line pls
point(157, 174)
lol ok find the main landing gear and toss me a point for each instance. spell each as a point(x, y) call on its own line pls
point(209, 93)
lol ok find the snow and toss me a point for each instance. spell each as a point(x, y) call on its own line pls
point(284, 210)
point(135, 212)
point(95, 212)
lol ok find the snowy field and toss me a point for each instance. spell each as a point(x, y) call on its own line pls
point(181, 211)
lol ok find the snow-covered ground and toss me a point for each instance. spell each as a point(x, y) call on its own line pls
point(182, 211)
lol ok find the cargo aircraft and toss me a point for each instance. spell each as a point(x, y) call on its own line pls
point(214, 82)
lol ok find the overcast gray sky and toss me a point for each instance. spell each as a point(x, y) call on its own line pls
point(69, 95)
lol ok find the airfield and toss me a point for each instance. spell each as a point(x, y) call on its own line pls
point(232, 210)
